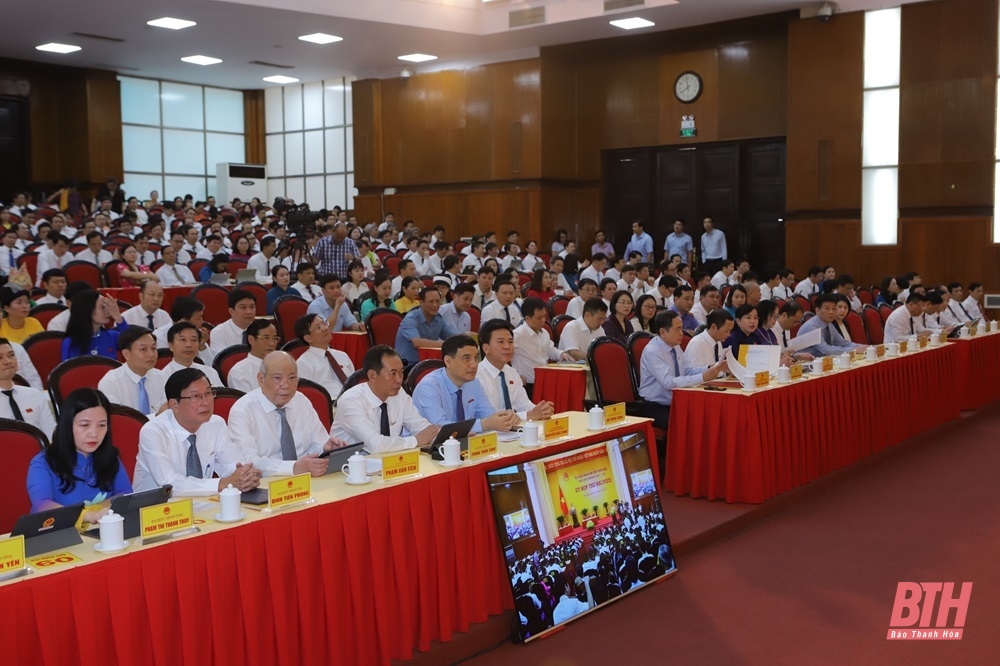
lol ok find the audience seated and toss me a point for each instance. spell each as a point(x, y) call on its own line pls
point(831, 342)
point(184, 341)
point(499, 381)
point(706, 348)
point(22, 403)
point(328, 367)
point(86, 334)
point(332, 306)
point(54, 284)
point(242, 311)
point(262, 338)
point(17, 326)
point(907, 320)
point(148, 313)
point(578, 334)
point(136, 383)
point(421, 327)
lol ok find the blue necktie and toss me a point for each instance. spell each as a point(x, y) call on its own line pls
point(506, 393)
point(459, 407)
point(143, 396)
point(677, 367)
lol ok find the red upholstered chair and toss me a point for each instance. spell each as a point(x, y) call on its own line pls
point(84, 271)
point(420, 370)
point(357, 377)
point(215, 298)
point(613, 380)
point(21, 443)
point(559, 323)
point(320, 399)
point(873, 325)
point(111, 277)
point(30, 261)
point(884, 311)
point(804, 302)
point(780, 302)
point(224, 400)
point(391, 264)
point(636, 345)
point(382, 254)
point(45, 351)
point(227, 358)
point(287, 310)
point(259, 292)
point(163, 358)
point(125, 426)
point(195, 266)
point(558, 305)
point(234, 266)
point(552, 333)
point(382, 325)
point(856, 327)
point(685, 340)
point(45, 312)
point(79, 372)
point(865, 296)
point(295, 347)
point(475, 317)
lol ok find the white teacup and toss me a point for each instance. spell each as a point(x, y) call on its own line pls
point(871, 354)
point(451, 451)
point(965, 333)
point(817, 366)
point(529, 433)
point(229, 503)
point(892, 349)
point(913, 343)
point(784, 375)
point(356, 468)
point(749, 381)
point(936, 339)
point(112, 526)
point(596, 416)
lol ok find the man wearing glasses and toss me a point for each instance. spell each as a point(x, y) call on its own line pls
point(261, 337)
point(186, 444)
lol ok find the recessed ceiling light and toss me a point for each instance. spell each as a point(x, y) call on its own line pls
point(321, 38)
point(172, 23)
point(418, 57)
point(632, 23)
point(280, 79)
point(201, 60)
point(58, 48)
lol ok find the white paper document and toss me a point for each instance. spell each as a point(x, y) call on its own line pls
point(803, 340)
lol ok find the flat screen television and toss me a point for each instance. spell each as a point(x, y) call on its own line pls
point(579, 530)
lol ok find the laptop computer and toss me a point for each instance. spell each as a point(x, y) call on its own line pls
point(51, 530)
point(128, 507)
point(246, 275)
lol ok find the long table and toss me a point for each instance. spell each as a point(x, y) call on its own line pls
point(366, 575)
point(978, 361)
point(749, 447)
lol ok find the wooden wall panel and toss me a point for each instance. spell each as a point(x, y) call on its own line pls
point(825, 83)
point(253, 127)
point(559, 119)
point(104, 126)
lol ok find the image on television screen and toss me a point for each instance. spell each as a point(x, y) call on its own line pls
point(578, 530)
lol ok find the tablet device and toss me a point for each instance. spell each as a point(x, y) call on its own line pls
point(220, 279)
point(246, 275)
point(128, 507)
point(338, 457)
point(47, 531)
point(459, 430)
point(257, 496)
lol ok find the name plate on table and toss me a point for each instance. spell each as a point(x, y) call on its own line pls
point(762, 378)
point(880, 351)
point(288, 491)
point(556, 428)
point(614, 414)
point(858, 355)
point(795, 371)
point(482, 446)
point(973, 330)
point(923, 342)
point(903, 344)
point(162, 520)
point(401, 465)
point(12, 560)
point(827, 364)
point(943, 337)
point(50, 560)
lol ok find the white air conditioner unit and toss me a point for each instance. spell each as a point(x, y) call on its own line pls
point(240, 181)
point(991, 301)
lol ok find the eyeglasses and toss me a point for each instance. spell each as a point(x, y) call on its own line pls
point(268, 337)
point(198, 397)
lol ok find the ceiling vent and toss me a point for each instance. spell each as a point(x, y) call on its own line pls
point(271, 64)
point(520, 18)
point(103, 38)
point(612, 5)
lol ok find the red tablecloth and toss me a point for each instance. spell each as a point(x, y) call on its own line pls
point(351, 343)
point(749, 448)
point(359, 581)
point(429, 353)
point(978, 361)
point(564, 387)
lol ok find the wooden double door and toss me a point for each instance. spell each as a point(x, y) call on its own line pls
point(740, 185)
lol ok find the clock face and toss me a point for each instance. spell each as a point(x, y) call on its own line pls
point(687, 88)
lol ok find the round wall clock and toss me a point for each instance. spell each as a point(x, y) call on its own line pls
point(687, 87)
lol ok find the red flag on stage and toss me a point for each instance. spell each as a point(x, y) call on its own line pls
point(562, 502)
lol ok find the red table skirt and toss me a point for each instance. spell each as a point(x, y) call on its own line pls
point(353, 345)
point(359, 581)
point(565, 388)
point(429, 353)
point(749, 448)
point(979, 360)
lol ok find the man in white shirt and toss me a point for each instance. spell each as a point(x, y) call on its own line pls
point(504, 306)
point(406, 269)
point(276, 428)
point(187, 443)
point(973, 304)
point(191, 245)
point(484, 293)
point(706, 347)
point(707, 304)
point(721, 278)
point(436, 260)
point(183, 340)
point(561, 285)
point(375, 412)
point(501, 384)
point(810, 286)
point(663, 295)
point(137, 383)
point(177, 242)
point(95, 252)
point(148, 313)
point(845, 287)
point(264, 261)
point(262, 338)
point(907, 320)
point(713, 246)
point(587, 289)
point(54, 283)
point(789, 316)
point(20, 403)
point(475, 258)
point(569, 605)
point(533, 347)
point(786, 278)
point(329, 368)
point(421, 259)
point(213, 246)
point(578, 334)
point(57, 257)
point(769, 281)
point(9, 252)
point(242, 311)
point(631, 283)
point(595, 271)
point(306, 274)
point(172, 273)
